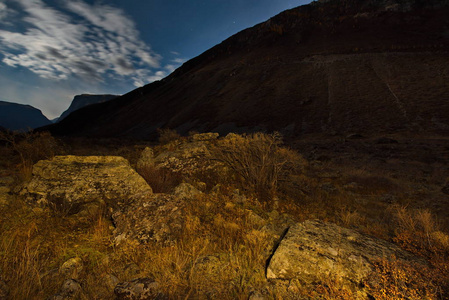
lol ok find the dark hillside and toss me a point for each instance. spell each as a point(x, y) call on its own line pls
point(335, 67)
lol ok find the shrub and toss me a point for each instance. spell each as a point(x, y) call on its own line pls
point(30, 148)
point(167, 135)
point(258, 159)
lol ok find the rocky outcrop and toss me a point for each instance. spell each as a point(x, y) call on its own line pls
point(138, 289)
point(150, 218)
point(74, 184)
point(314, 251)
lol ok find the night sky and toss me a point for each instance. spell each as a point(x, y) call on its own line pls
point(51, 50)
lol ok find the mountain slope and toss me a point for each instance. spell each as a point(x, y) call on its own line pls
point(80, 101)
point(16, 116)
point(336, 67)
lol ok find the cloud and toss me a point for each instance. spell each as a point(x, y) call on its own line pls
point(88, 41)
point(179, 60)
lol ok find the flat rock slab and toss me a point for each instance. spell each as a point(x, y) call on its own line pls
point(312, 251)
point(71, 183)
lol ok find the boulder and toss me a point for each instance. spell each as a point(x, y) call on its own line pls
point(312, 251)
point(71, 184)
point(138, 289)
point(150, 218)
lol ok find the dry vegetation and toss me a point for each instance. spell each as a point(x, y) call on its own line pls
point(223, 250)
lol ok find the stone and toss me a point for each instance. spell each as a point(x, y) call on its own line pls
point(186, 191)
point(71, 289)
point(138, 289)
point(70, 184)
point(146, 158)
point(110, 282)
point(313, 250)
point(256, 296)
point(188, 158)
point(238, 198)
point(150, 218)
point(72, 268)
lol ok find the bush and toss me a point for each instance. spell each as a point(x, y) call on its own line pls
point(30, 148)
point(259, 160)
point(167, 135)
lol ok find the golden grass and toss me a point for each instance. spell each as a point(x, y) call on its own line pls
point(222, 252)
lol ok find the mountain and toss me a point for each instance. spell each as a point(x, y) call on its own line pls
point(80, 101)
point(15, 116)
point(333, 67)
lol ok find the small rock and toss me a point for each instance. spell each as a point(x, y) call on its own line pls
point(238, 197)
point(71, 289)
point(146, 158)
point(72, 268)
point(255, 219)
point(186, 191)
point(256, 296)
point(110, 282)
point(138, 289)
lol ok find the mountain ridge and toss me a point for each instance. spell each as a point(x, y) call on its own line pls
point(318, 68)
point(80, 101)
point(15, 116)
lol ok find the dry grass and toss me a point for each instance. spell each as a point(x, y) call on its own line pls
point(222, 251)
point(30, 148)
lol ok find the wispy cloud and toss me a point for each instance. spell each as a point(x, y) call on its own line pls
point(80, 39)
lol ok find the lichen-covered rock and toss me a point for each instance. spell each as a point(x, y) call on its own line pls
point(150, 218)
point(138, 289)
point(72, 268)
point(71, 184)
point(146, 158)
point(186, 191)
point(189, 157)
point(71, 289)
point(314, 250)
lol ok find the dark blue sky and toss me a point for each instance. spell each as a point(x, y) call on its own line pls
point(51, 50)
